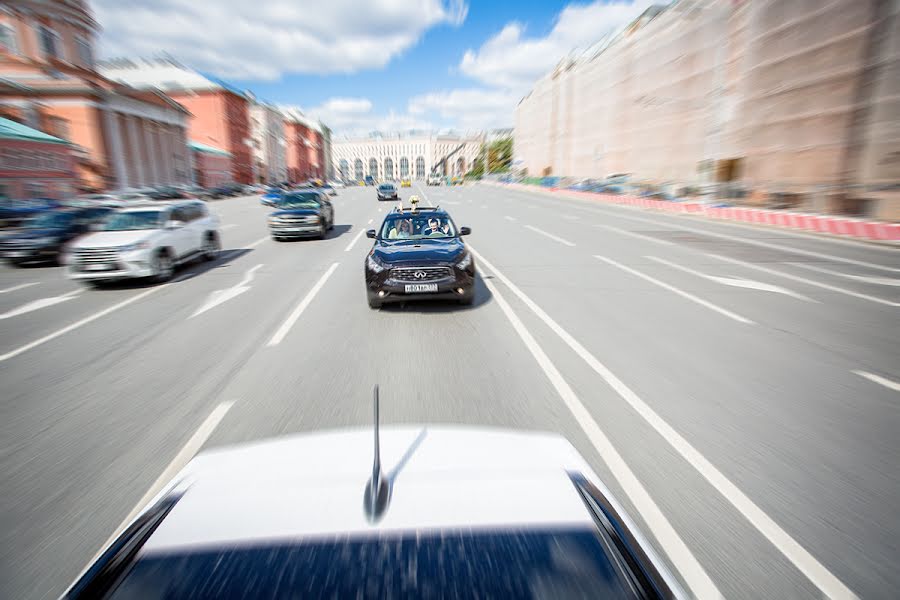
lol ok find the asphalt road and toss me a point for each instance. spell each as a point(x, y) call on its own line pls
point(737, 387)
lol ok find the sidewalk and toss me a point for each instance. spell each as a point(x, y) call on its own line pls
point(845, 227)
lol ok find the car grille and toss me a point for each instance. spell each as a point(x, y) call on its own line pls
point(95, 256)
point(303, 219)
point(420, 274)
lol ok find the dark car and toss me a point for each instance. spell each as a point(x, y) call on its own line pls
point(387, 191)
point(418, 254)
point(42, 238)
point(167, 192)
point(13, 212)
point(369, 180)
point(306, 213)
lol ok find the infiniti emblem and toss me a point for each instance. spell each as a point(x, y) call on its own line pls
point(419, 275)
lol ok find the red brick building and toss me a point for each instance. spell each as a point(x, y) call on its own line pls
point(34, 164)
point(305, 148)
point(220, 113)
point(211, 166)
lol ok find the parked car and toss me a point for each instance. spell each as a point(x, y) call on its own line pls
point(419, 254)
point(96, 200)
point(336, 184)
point(145, 241)
point(196, 191)
point(387, 191)
point(167, 192)
point(405, 182)
point(42, 238)
point(370, 180)
point(306, 213)
point(13, 212)
point(433, 180)
point(328, 190)
point(129, 198)
point(224, 191)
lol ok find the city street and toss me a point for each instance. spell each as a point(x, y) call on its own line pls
point(737, 387)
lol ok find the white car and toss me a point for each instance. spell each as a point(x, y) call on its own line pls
point(147, 240)
point(433, 180)
point(338, 185)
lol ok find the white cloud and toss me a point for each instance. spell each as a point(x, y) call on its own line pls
point(513, 61)
point(265, 40)
point(468, 108)
point(355, 116)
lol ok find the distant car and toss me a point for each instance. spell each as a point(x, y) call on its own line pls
point(148, 240)
point(305, 213)
point(13, 212)
point(370, 180)
point(433, 180)
point(129, 198)
point(42, 238)
point(336, 184)
point(419, 254)
point(167, 192)
point(328, 190)
point(271, 196)
point(222, 191)
point(405, 183)
point(97, 200)
point(196, 191)
point(387, 191)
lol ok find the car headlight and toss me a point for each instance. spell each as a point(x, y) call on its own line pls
point(136, 246)
point(464, 263)
point(373, 265)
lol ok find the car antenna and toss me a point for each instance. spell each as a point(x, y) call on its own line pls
point(377, 489)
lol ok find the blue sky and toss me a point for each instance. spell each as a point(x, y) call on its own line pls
point(362, 66)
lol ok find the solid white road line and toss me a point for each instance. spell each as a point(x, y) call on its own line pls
point(863, 278)
point(570, 217)
point(219, 296)
point(78, 324)
point(39, 304)
point(824, 286)
point(675, 290)
point(685, 562)
point(550, 235)
point(257, 242)
point(289, 322)
point(21, 286)
point(509, 218)
point(735, 282)
point(635, 234)
point(816, 572)
point(891, 385)
point(229, 226)
point(370, 221)
point(184, 456)
point(354, 240)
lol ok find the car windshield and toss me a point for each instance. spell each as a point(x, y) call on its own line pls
point(50, 220)
point(417, 227)
point(505, 563)
point(134, 220)
point(386, 187)
point(307, 200)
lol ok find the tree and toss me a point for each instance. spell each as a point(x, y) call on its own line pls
point(500, 155)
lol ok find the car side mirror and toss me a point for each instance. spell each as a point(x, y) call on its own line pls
point(370, 233)
point(465, 230)
point(174, 224)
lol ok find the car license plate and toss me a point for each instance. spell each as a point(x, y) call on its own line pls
point(97, 267)
point(16, 254)
point(413, 288)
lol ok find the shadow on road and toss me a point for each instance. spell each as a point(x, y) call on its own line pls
point(184, 273)
point(482, 296)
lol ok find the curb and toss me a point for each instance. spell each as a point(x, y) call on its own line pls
point(843, 227)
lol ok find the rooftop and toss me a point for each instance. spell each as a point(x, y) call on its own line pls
point(11, 130)
point(198, 147)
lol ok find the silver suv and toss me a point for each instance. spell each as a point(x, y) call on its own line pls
point(146, 240)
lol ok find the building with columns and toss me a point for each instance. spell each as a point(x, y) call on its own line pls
point(412, 154)
point(121, 136)
point(220, 114)
point(267, 131)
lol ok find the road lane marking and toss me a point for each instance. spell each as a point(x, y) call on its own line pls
point(183, 457)
point(736, 282)
point(863, 278)
point(229, 226)
point(825, 286)
point(77, 324)
point(550, 235)
point(19, 287)
point(673, 289)
point(354, 240)
point(39, 304)
point(635, 234)
point(219, 296)
point(370, 221)
point(256, 243)
point(509, 218)
point(677, 551)
point(891, 385)
point(570, 217)
point(289, 322)
point(823, 579)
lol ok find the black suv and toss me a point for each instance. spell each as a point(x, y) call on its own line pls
point(301, 213)
point(418, 254)
point(387, 191)
point(42, 238)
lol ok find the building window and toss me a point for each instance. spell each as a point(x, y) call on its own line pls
point(358, 169)
point(49, 42)
point(420, 168)
point(85, 57)
point(8, 39)
point(388, 168)
point(404, 167)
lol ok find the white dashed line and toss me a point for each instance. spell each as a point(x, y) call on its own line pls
point(289, 322)
point(550, 235)
point(891, 385)
point(863, 278)
point(509, 218)
point(635, 234)
point(354, 240)
point(39, 304)
point(19, 287)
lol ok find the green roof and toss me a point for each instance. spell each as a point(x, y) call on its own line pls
point(198, 147)
point(10, 130)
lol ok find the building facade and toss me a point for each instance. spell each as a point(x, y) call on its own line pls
point(211, 167)
point(412, 155)
point(34, 164)
point(782, 98)
point(269, 144)
point(121, 136)
point(220, 114)
point(305, 150)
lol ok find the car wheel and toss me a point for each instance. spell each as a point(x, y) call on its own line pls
point(163, 267)
point(211, 245)
point(331, 224)
point(276, 238)
point(323, 231)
